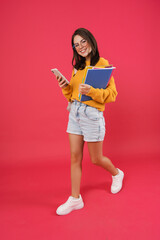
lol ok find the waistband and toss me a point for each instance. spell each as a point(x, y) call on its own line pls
point(77, 103)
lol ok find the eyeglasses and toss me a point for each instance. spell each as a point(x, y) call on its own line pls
point(83, 43)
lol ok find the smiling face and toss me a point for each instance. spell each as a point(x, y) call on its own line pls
point(82, 47)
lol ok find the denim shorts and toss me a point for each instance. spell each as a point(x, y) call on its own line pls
point(86, 121)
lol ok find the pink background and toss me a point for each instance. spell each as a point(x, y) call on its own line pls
point(36, 36)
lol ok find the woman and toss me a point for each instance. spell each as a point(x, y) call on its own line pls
point(86, 121)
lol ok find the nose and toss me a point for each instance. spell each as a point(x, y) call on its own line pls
point(80, 45)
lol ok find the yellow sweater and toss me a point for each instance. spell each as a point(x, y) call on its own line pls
point(99, 96)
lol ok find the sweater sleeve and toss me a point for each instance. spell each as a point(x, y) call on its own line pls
point(104, 95)
point(67, 91)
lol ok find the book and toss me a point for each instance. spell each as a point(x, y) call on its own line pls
point(97, 77)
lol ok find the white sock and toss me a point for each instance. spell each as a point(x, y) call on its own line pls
point(75, 198)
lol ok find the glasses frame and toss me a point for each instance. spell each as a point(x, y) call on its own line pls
point(83, 44)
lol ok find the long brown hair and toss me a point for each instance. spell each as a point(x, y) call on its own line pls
point(78, 61)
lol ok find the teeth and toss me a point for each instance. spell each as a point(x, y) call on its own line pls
point(83, 51)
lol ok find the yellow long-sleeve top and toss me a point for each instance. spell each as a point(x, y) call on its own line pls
point(99, 96)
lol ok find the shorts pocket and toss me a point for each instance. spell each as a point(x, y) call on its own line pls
point(91, 113)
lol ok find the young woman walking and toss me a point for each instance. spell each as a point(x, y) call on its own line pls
point(86, 121)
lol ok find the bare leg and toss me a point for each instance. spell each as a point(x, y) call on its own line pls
point(76, 149)
point(96, 154)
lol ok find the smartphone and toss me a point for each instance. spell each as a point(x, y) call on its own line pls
point(59, 74)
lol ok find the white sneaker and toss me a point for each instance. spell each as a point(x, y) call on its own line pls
point(117, 182)
point(70, 205)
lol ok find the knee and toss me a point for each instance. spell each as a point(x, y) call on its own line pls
point(96, 160)
point(76, 158)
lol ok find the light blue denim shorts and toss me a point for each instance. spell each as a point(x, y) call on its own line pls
point(86, 121)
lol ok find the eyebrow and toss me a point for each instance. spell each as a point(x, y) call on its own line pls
point(80, 41)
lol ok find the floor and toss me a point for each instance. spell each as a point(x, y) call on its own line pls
point(31, 192)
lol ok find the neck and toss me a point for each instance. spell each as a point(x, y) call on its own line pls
point(88, 58)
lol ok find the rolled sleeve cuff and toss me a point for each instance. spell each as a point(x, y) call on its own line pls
point(91, 92)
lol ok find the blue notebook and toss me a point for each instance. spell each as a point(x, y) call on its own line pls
point(97, 78)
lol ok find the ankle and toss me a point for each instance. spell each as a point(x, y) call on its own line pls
point(116, 172)
point(75, 195)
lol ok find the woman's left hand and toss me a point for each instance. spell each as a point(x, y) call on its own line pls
point(84, 88)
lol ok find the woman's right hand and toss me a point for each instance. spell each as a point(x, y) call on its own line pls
point(62, 83)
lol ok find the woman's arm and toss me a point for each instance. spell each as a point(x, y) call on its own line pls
point(67, 90)
point(104, 95)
